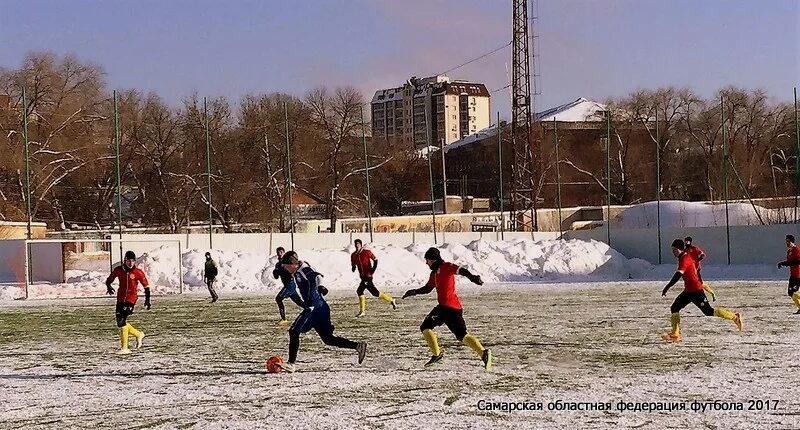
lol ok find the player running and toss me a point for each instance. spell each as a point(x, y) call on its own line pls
point(129, 277)
point(366, 263)
point(692, 293)
point(793, 263)
point(698, 255)
point(289, 288)
point(210, 276)
point(449, 310)
point(315, 315)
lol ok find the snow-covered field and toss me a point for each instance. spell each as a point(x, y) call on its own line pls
point(568, 321)
point(202, 364)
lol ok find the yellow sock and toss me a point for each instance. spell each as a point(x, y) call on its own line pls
point(362, 303)
point(433, 343)
point(675, 322)
point(473, 342)
point(123, 336)
point(724, 313)
point(133, 331)
point(386, 297)
point(710, 291)
point(796, 299)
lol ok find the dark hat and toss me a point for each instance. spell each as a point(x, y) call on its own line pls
point(677, 243)
point(290, 258)
point(433, 254)
point(130, 255)
point(208, 254)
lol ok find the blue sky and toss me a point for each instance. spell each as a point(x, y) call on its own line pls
point(588, 48)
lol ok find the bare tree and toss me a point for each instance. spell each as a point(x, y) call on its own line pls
point(262, 133)
point(65, 98)
point(170, 189)
point(337, 119)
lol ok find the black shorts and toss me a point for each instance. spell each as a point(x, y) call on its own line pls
point(452, 318)
point(697, 297)
point(122, 312)
point(794, 286)
point(366, 284)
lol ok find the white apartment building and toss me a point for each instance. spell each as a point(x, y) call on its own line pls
point(456, 109)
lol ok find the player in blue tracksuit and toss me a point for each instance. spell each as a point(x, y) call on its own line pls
point(316, 313)
point(289, 288)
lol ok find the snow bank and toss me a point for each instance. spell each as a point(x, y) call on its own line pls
point(399, 268)
point(678, 214)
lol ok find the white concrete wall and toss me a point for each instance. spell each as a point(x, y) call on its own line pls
point(748, 244)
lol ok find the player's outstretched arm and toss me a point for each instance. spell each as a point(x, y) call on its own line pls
point(147, 298)
point(423, 290)
point(675, 278)
point(476, 279)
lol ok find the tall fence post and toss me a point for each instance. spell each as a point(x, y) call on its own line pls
point(500, 170)
point(430, 169)
point(658, 186)
point(117, 138)
point(289, 172)
point(725, 178)
point(366, 172)
point(796, 155)
point(27, 267)
point(180, 268)
point(558, 180)
point(26, 155)
point(208, 174)
point(608, 177)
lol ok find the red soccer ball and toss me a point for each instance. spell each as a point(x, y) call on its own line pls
point(273, 364)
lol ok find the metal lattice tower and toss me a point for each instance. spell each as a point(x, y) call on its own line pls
point(524, 191)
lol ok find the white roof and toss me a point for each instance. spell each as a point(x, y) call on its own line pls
point(474, 137)
point(389, 94)
point(581, 110)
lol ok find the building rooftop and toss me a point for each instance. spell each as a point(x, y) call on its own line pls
point(389, 94)
point(581, 110)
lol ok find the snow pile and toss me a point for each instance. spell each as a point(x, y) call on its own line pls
point(679, 214)
point(399, 268)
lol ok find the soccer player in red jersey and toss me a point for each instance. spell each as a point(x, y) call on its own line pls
point(692, 293)
point(793, 263)
point(129, 277)
point(366, 263)
point(698, 255)
point(449, 310)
